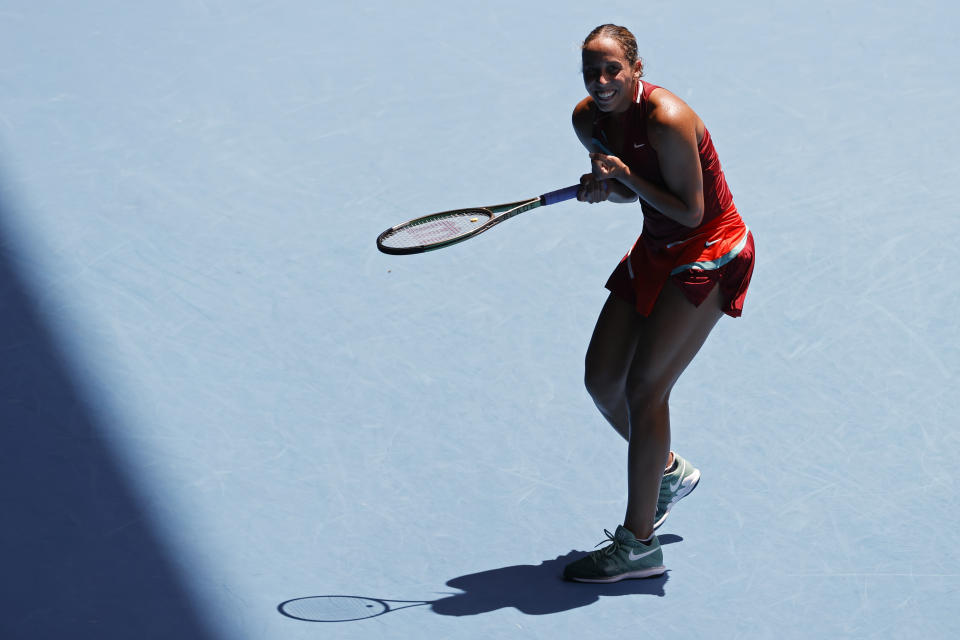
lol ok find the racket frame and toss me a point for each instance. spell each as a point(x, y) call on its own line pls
point(498, 213)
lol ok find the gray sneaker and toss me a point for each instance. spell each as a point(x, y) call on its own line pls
point(625, 557)
point(674, 486)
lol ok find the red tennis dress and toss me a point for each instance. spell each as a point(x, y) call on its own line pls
point(719, 251)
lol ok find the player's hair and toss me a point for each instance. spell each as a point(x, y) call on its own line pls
point(624, 38)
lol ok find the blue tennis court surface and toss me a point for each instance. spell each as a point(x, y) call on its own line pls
point(220, 406)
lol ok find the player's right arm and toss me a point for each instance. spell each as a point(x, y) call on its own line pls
point(591, 188)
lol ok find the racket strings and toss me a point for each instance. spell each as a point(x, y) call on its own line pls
point(437, 229)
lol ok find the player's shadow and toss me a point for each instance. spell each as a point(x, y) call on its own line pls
point(535, 590)
point(538, 589)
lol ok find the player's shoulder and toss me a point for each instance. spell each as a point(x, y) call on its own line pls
point(667, 106)
point(584, 113)
point(668, 111)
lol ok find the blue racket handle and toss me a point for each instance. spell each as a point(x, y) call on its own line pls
point(567, 193)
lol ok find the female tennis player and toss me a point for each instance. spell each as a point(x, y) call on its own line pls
point(691, 264)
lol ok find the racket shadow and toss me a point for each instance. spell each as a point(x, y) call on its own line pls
point(539, 589)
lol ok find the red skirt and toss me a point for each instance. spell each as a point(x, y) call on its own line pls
point(696, 283)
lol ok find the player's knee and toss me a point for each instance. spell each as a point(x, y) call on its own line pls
point(646, 392)
point(603, 384)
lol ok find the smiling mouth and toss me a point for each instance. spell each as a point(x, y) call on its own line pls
point(605, 95)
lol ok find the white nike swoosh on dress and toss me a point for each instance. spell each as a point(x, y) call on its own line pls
point(711, 243)
point(633, 557)
point(637, 146)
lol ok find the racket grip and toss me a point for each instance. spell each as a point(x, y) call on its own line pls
point(567, 193)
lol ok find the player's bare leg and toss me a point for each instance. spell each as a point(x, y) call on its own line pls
point(608, 360)
point(667, 342)
point(610, 355)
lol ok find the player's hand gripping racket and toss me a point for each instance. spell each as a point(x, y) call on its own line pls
point(450, 227)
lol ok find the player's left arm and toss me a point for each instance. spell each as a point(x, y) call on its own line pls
point(672, 130)
point(673, 133)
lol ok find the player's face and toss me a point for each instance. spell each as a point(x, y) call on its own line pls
point(608, 77)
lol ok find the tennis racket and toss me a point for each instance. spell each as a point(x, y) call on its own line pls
point(438, 230)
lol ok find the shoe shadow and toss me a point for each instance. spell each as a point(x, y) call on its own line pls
point(538, 589)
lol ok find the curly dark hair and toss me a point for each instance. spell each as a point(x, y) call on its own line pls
point(622, 35)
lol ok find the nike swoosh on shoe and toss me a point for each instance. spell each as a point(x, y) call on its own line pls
point(631, 557)
point(675, 485)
